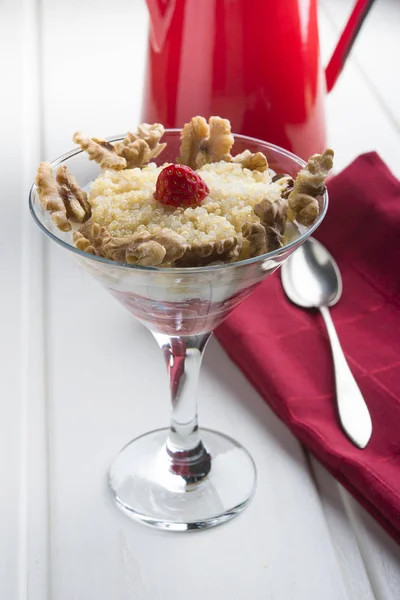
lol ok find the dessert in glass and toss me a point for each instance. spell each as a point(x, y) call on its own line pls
point(181, 226)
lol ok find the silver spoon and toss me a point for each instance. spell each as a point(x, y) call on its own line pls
point(311, 278)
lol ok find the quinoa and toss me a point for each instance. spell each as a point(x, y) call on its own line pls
point(123, 202)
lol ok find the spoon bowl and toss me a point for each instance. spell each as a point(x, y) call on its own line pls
point(311, 278)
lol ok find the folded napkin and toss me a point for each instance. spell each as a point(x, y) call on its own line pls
point(284, 351)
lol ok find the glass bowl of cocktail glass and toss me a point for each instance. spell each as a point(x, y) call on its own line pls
point(181, 478)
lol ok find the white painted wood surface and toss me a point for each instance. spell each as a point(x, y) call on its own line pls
point(74, 362)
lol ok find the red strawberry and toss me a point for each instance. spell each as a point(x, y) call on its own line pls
point(178, 185)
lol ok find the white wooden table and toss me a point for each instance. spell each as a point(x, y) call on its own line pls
point(74, 362)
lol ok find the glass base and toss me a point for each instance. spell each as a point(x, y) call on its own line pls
point(146, 490)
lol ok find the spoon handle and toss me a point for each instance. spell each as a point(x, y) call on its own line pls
point(353, 411)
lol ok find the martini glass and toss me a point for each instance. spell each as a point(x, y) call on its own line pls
point(180, 478)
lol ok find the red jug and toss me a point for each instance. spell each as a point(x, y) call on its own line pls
point(255, 62)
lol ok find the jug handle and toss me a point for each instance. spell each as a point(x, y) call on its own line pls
point(346, 41)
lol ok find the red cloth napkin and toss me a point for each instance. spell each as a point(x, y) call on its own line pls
point(284, 351)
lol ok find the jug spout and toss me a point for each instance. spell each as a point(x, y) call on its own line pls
point(160, 12)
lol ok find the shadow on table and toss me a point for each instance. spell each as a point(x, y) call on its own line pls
point(339, 507)
point(219, 366)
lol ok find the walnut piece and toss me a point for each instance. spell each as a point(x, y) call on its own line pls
point(62, 196)
point(100, 151)
point(91, 238)
point(200, 255)
point(254, 162)
point(147, 254)
point(203, 143)
point(309, 184)
point(137, 249)
point(273, 217)
point(303, 208)
point(285, 183)
point(140, 148)
point(174, 244)
point(255, 240)
point(135, 150)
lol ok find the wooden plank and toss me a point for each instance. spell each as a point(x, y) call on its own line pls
point(34, 568)
point(14, 198)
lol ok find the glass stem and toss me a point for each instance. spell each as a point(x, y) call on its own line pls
point(183, 355)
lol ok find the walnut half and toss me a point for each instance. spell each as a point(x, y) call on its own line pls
point(135, 150)
point(203, 143)
point(140, 148)
point(162, 247)
point(146, 249)
point(62, 196)
point(309, 184)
